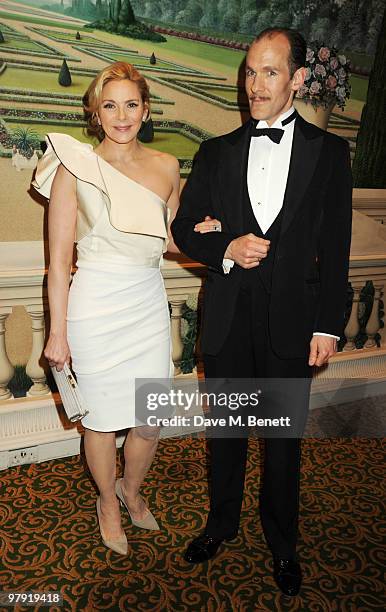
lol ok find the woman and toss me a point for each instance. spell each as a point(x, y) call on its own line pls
point(113, 322)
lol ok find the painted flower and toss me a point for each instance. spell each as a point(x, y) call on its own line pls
point(315, 87)
point(334, 63)
point(340, 92)
point(320, 70)
point(324, 54)
point(310, 56)
point(331, 82)
point(302, 91)
point(342, 76)
point(308, 73)
point(342, 59)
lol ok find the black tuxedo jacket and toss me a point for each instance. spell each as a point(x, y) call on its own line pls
point(310, 269)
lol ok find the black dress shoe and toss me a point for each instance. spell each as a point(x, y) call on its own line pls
point(287, 575)
point(202, 548)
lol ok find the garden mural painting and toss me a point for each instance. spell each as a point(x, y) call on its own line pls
point(190, 52)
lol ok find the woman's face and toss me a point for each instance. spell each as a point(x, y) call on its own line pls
point(121, 110)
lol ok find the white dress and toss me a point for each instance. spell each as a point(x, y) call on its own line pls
point(118, 322)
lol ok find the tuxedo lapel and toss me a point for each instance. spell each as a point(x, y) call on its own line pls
point(306, 148)
point(232, 171)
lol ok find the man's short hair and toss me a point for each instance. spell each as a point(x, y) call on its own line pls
point(298, 46)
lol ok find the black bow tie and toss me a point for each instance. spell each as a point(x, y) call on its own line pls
point(275, 134)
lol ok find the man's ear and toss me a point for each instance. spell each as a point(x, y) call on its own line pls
point(298, 79)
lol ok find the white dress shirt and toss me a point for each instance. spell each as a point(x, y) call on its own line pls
point(267, 174)
point(268, 165)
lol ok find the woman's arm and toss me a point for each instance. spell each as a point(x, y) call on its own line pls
point(61, 234)
point(174, 200)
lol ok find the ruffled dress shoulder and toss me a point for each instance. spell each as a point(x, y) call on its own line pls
point(131, 207)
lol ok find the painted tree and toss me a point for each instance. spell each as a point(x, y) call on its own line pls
point(374, 24)
point(152, 10)
point(358, 28)
point(98, 9)
point(168, 9)
point(126, 14)
point(248, 21)
point(343, 25)
point(231, 16)
point(65, 75)
point(138, 7)
point(370, 156)
point(191, 14)
point(248, 15)
point(282, 14)
point(115, 9)
point(264, 20)
point(210, 17)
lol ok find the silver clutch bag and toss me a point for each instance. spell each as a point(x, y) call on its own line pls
point(70, 395)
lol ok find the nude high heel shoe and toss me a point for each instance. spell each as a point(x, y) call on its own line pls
point(148, 522)
point(118, 545)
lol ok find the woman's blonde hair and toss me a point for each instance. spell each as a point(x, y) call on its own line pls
point(92, 98)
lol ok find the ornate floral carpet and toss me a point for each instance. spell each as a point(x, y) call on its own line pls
point(49, 538)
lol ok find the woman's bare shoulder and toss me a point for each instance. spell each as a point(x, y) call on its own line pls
point(165, 160)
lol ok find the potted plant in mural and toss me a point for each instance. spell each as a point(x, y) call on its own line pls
point(25, 143)
point(326, 84)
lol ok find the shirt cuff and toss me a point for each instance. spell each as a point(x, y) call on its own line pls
point(227, 265)
point(327, 335)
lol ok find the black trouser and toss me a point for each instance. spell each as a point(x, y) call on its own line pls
point(247, 354)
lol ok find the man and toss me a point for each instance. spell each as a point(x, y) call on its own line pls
point(276, 289)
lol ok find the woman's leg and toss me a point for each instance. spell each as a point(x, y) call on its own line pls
point(101, 459)
point(139, 449)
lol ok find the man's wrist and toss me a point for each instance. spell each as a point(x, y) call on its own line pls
point(326, 335)
point(228, 252)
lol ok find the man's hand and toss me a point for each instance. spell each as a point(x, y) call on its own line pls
point(247, 251)
point(208, 225)
point(321, 349)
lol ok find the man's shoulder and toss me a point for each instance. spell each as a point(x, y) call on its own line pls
point(212, 144)
point(332, 140)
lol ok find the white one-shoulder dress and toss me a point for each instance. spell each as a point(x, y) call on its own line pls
point(118, 322)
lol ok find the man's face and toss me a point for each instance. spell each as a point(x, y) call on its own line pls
point(268, 84)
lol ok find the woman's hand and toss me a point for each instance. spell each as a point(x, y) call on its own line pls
point(208, 225)
point(57, 351)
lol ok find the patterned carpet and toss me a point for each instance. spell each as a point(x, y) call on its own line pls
point(49, 538)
